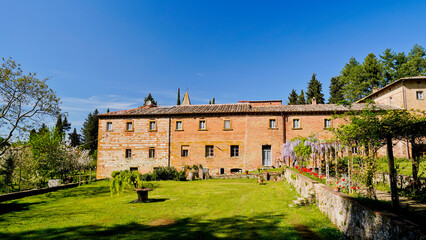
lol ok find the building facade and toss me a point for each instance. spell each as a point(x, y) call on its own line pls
point(224, 138)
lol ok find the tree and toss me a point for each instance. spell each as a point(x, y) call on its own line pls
point(415, 132)
point(75, 138)
point(301, 99)
point(25, 100)
point(6, 170)
point(107, 110)
point(214, 101)
point(210, 101)
point(150, 99)
point(314, 90)
point(66, 126)
point(292, 99)
point(178, 97)
point(336, 90)
point(372, 73)
point(351, 77)
point(47, 153)
point(90, 132)
point(388, 66)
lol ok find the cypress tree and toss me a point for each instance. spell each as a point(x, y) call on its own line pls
point(292, 99)
point(107, 110)
point(90, 132)
point(178, 97)
point(301, 99)
point(210, 101)
point(336, 88)
point(314, 90)
point(213, 101)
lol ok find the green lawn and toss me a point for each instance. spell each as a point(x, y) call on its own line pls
point(213, 209)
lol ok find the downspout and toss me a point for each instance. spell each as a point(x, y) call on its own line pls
point(170, 140)
point(284, 136)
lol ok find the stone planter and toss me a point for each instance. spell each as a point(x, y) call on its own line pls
point(143, 193)
point(190, 176)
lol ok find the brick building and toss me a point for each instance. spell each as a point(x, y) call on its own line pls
point(222, 137)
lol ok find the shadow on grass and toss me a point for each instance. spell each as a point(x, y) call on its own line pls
point(83, 191)
point(236, 227)
point(15, 207)
point(151, 200)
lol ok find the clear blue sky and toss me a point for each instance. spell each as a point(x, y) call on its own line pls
point(110, 54)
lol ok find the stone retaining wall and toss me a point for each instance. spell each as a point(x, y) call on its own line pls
point(351, 218)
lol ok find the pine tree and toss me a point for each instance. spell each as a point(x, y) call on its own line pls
point(372, 73)
point(90, 132)
point(292, 99)
point(351, 77)
point(151, 99)
point(75, 138)
point(301, 99)
point(178, 97)
point(336, 88)
point(388, 67)
point(314, 90)
point(66, 126)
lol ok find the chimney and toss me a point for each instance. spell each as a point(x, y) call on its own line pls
point(314, 101)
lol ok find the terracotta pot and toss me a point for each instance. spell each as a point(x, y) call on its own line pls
point(337, 189)
point(246, 172)
point(261, 180)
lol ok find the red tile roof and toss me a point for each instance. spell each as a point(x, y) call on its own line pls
point(237, 108)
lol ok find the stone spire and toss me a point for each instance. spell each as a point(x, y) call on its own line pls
point(186, 100)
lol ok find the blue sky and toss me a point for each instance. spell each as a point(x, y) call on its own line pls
point(110, 54)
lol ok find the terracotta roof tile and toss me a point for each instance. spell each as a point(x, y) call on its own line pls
point(237, 108)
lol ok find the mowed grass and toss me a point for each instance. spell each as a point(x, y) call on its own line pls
point(213, 209)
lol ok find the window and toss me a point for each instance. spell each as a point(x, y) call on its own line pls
point(128, 153)
point(354, 150)
point(178, 125)
point(151, 152)
point(419, 95)
point(185, 151)
point(327, 123)
point(209, 151)
point(133, 169)
point(235, 151)
point(129, 126)
point(152, 126)
point(227, 124)
point(272, 123)
point(202, 125)
point(296, 123)
point(109, 126)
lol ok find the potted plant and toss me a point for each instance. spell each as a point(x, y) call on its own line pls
point(246, 171)
point(127, 179)
point(261, 179)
